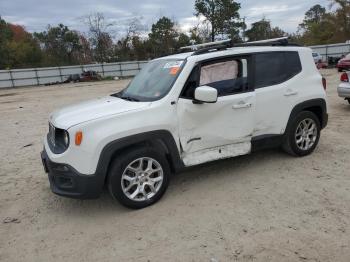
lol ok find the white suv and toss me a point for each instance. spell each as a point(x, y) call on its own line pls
point(184, 110)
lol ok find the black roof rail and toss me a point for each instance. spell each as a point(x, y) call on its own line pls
point(283, 41)
point(223, 45)
point(210, 45)
point(211, 49)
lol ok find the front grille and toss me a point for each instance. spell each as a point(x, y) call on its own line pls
point(52, 135)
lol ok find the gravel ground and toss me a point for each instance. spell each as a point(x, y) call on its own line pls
point(263, 207)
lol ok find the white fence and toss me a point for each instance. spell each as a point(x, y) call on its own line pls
point(41, 76)
point(334, 50)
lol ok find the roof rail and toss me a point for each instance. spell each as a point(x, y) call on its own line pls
point(222, 45)
point(281, 41)
point(205, 45)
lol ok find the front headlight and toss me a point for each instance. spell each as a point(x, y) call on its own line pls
point(65, 138)
point(58, 139)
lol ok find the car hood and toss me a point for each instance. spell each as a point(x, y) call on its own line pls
point(92, 110)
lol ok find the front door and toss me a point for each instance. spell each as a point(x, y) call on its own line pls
point(222, 129)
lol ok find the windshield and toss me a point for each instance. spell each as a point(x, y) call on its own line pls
point(154, 81)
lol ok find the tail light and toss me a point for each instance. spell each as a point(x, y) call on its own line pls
point(324, 83)
point(344, 77)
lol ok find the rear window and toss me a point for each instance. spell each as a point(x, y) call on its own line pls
point(275, 68)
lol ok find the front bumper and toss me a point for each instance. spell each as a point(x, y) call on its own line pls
point(344, 91)
point(66, 181)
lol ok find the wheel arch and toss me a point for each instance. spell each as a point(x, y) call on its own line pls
point(316, 106)
point(162, 140)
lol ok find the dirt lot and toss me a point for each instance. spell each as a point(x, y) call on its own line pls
point(264, 207)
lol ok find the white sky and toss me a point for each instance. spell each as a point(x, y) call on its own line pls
point(35, 15)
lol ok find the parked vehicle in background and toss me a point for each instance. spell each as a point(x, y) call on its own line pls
point(344, 63)
point(217, 102)
point(344, 86)
point(317, 57)
point(322, 65)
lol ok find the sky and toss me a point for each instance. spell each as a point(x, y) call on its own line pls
point(36, 15)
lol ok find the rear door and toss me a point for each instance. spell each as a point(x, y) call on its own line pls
point(276, 83)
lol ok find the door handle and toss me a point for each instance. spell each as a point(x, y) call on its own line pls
point(242, 105)
point(291, 93)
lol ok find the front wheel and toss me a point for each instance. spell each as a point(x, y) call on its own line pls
point(303, 135)
point(139, 177)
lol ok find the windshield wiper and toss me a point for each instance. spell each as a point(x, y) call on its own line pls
point(129, 98)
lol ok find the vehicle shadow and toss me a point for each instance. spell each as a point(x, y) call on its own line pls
point(188, 179)
point(226, 167)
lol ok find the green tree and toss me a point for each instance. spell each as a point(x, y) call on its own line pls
point(317, 26)
point(163, 37)
point(315, 14)
point(60, 45)
point(322, 27)
point(222, 15)
point(262, 30)
point(18, 49)
point(341, 20)
point(182, 40)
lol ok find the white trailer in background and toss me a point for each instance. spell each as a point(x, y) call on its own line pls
point(334, 51)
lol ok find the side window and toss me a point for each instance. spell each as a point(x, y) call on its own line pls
point(228, 77)
point(275, 67)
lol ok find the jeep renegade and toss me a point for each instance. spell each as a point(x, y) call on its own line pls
point(212, 103)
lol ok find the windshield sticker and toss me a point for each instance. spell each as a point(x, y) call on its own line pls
point(173, 64)
point(174, 70)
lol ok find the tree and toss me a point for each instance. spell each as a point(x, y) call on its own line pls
point(322, 27)
point(222, 15)
point(341, 19)
point(182, 40)
point(99, 36)
point(163, 37)
point(197, 36)
point(59, 44)
point(132, 46)
point(314, 15)
point(85, 56)
point(18, 48)
point(262, 30)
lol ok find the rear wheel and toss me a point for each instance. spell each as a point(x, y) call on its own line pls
point(303, 135)
point(139, 177)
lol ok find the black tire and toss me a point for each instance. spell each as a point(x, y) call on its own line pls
point(290, 144)
point(340, 70)
point(121, 163)
point(348, 100)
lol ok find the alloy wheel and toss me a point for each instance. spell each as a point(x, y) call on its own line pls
point(306, 134)
point(142, 179)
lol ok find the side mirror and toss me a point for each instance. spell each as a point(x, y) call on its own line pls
point(205, 94)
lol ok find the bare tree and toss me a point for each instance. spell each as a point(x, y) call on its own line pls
point(99, 36)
